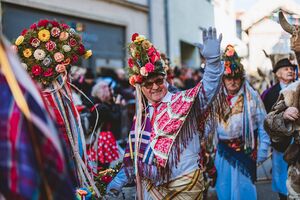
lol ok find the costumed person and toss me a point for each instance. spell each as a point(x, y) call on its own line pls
point(104, 149)
point(47, 50)
point(238, 132)
point(282, 123)
point(164, 142)
point(284, 71)
point(33, 161)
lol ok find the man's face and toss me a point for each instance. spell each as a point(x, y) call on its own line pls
point(232, 85)
point(155, 89)
point(286, 74)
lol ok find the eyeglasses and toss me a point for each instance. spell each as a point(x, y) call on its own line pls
point(149, 84)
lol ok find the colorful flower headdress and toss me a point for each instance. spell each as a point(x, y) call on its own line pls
point(232, 62)
point(145, 60)
point(47, 48)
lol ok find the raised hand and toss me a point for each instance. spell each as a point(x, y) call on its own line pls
point(210, 49)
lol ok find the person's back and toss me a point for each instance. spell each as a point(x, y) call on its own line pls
point(33, 164)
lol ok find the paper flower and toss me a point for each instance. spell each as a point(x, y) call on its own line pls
point(36, 70)
point(35, 42)
point(66, 48)
point(143, 71)
point(27, 53)
point(63, 36)
point(39, 54)
point(44, 35)
point(55, 31)
point(19, 40)
point(51, 43)
point(58, 57)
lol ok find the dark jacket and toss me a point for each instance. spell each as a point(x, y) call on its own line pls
point(269, 98)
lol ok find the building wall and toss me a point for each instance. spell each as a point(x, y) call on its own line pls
point(269, 36)
point(185, 20)
point(133, 18)
point(158, 23)
point(133, 15)
point(225, 21)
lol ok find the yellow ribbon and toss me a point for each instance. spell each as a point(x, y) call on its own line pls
point(13, 83)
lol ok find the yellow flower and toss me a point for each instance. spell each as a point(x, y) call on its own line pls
point(19, 40)
point(146, 44)
point(88, 54)
point(139, 38)
point(27, 53)
point(44, 35)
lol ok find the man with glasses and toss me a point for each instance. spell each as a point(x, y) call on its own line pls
point(169, 127)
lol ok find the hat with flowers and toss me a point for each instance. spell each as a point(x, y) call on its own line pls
point(48, 48)
point(145, 60)
point(232, 63)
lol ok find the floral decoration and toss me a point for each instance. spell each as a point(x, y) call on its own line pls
point(144, 59)
point(232, 63)
point(105, 177)
point(47, 49)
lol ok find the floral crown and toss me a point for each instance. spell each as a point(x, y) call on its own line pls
point(232, 62)
point(144, 61)
point(47, 48)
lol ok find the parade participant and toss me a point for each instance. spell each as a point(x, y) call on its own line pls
point(282, 122)
point(237, 134)
point(47, 50)
point(284, 71)
point(168, 126)
point(104, 150)
point(33, 162)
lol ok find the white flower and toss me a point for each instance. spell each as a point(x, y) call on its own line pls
point(39, 54)
point(66, 48)
point(24, 66)
point(143, 71)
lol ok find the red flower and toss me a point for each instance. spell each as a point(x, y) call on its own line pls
point(65, 26)
point(138, 78)
point(154, 58)
point(149, 67)
point(33, 27)
point(54, 23)
point(106, 179)
point(157, 54)
point(81, 49)
point(24, 32)
point(34, 42)
point(36, 70)
point(43, 22)
point(133, 37)
point(74, 59)
point(132, 80)
point(130, 62)
point(151, 51)
point(72, 42)
point(48, 72)
point(50, 45)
